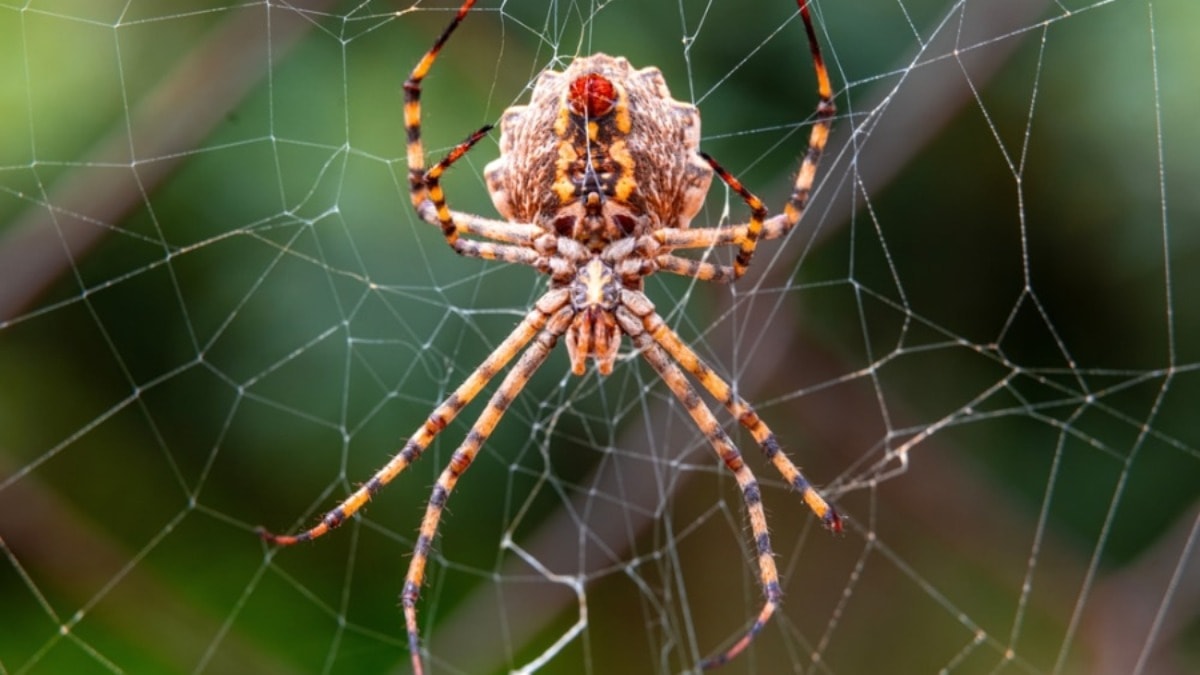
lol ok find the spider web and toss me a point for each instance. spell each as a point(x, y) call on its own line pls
point(218, 311)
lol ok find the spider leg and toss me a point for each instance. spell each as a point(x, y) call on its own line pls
point(746, 236)
point(819, 135)
point(758, 213)
point(745, 414)
point(698, 269)
point(469, 247)
point(720, 441)
point(710, 237)
point(707, 238)
point(412, 108)
point(521, 234)
point(441, 416)
point(425, 191)
point(512, 385)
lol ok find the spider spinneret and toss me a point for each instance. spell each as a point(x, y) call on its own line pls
point(598, 179)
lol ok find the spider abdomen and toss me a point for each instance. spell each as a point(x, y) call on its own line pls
point(608, 138)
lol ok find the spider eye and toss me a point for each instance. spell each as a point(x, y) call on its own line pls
point(592, 96)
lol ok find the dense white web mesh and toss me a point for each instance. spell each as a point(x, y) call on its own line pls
point(217, 311)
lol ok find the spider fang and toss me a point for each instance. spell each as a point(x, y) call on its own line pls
point(594, 332)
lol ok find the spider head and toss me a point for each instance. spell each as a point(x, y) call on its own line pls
point(594, 333)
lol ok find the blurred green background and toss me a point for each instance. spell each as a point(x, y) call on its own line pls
point(220, 312)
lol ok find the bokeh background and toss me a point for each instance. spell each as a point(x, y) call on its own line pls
point(217, 311)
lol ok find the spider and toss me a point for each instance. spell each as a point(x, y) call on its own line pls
point(597, 181)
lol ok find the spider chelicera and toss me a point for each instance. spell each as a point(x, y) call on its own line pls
point(597, 181)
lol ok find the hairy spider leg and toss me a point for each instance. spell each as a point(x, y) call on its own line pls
point(745, 414)
point(758, 212)
point(461, 460)
point(819, 136)
point(441, 416)
point(412, 108)
point(513, 253)
point(744, 236)
point(701, 270)
point(751, 494)
point(499, 230)
point(747, 235)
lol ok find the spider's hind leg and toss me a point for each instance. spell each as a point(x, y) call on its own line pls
point(412, 108)
point(758, 213)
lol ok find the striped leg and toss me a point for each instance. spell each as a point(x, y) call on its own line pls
point(533, 323)
point(751, 495)
point(820, 131)
point(468, 247)
point(425, 186)
point(516, 379)
point(758, 213)
point(522, 234)
point(697, 269)
point(746, 236)
point(709, 237)
point(745, 414)
point(412, 108)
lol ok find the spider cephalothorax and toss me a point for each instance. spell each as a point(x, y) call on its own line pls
point(595, 296)
point(598, 179)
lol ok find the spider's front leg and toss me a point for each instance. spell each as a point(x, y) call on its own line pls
point(745, 414)
point(461, 460)
point(666, 353)
point(441, 416)
point(751, 494)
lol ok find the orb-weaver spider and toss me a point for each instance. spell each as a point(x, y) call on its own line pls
point(598, 179)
